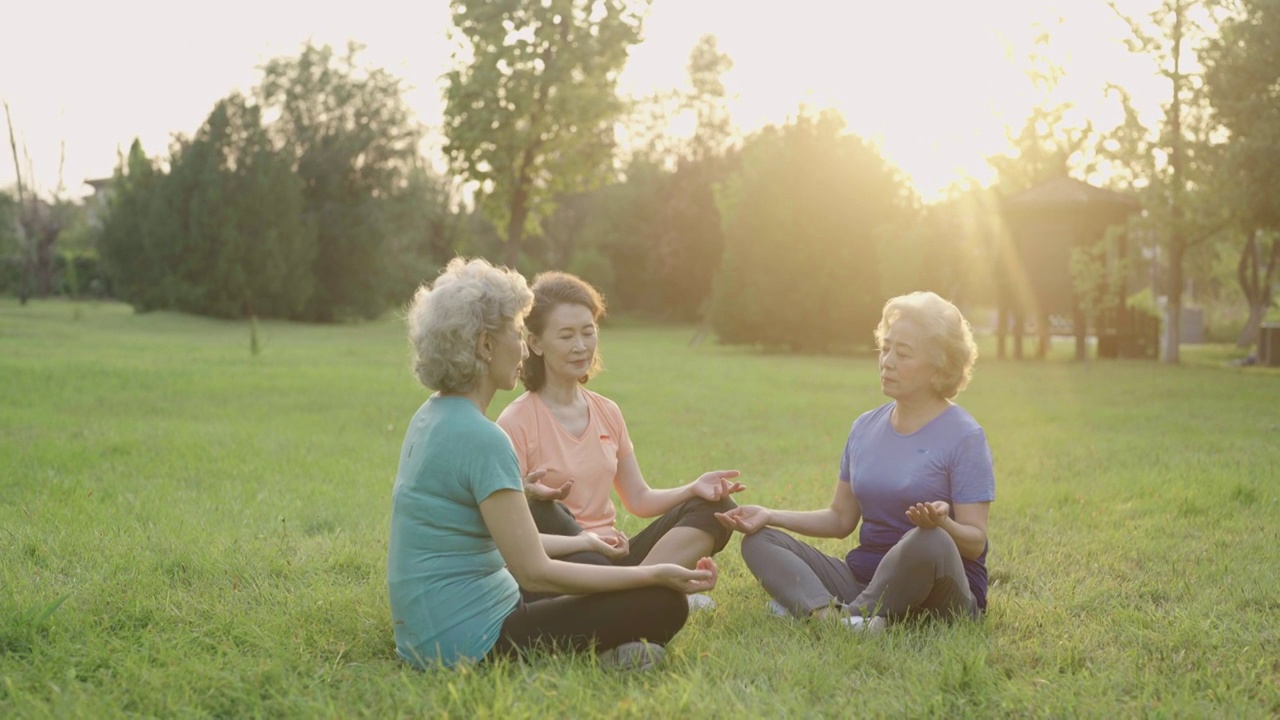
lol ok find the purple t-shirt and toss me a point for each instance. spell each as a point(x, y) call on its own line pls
point(948, 459)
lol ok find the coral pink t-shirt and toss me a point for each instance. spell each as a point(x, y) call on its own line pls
point(590, 459)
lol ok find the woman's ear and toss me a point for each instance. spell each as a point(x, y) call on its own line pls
point(484, 346)
point(534, 345)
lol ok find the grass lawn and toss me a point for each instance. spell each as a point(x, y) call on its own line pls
point(188, 530)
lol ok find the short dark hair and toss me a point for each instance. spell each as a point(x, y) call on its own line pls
point(550, 290)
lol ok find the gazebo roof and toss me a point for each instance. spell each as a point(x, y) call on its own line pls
point(1064, 193)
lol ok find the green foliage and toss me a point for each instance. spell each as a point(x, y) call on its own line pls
point(423, 234)
point(1097, 273)
point(1051, 140)
point(222, 233)
point(224, 550)
point(134, 246)
point(531, 102)
point(654, 240)
point(323, 213)
point(1243, 69)
point(800, 264)
point(352, 141)
point(624, 228)
point(950, 249)
point(1183, 208)
point(246, 248)
point(8, 222)
point(690, 239)
point(12, 250)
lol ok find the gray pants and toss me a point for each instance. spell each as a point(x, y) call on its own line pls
point(922, 574)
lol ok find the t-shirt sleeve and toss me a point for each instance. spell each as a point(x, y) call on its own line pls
point(619, 427)
point(493, 467)
point(515, 423)
point(973, 477)
point(846, 458)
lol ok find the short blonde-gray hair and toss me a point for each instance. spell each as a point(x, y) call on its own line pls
point(447, 317)
point(948, 339)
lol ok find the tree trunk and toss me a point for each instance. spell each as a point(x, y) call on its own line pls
point(515, 237)
point(1002, 327)
point(1247, 276)
point(1177, 243)
point(519, 209)
point(1173, 307)
point(1249, 334)
point(1255, 283)
point(1078, 318)
point(44, 260)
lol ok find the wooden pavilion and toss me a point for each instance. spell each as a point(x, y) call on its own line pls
point(1046, 222)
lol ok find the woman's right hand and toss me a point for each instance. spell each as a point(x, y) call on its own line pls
point(682, 579)
point(614, 549)
point(746, 519)
point(534, 489)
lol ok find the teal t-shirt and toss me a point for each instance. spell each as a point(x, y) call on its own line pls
point(450, 589)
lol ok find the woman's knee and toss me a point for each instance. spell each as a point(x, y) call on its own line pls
point(756, 546)
point(926, 543)
point(700, 514)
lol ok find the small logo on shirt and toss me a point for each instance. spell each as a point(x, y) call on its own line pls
point(604, 437)
point(923, 451)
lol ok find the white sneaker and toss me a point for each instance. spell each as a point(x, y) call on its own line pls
point(700, 601)
point(777, 608)
point(871, 626)
point(632, 656)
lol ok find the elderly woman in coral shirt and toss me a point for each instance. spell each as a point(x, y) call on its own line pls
point(574, 449)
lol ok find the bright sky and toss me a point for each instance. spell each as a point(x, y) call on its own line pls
point(935, 82)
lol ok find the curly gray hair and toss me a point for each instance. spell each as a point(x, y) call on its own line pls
point(948, 338)
point(447, 317)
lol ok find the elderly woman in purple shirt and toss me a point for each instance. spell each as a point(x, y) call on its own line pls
point(916, 473)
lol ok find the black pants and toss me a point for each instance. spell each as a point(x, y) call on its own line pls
point(553, 518)
point(605, 620)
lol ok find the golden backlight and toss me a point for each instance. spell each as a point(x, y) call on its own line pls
point(935, 83)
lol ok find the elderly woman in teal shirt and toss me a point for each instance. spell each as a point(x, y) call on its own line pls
point(462, 540)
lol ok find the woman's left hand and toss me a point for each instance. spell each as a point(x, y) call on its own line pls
point(928, 515)
point(717, 484)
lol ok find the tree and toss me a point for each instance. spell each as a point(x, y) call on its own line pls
point(245, 248)
point(676, 223)
point(689, 239)
point(424, 232)
point(1242, 72)
point(1049, 142)
point(222, 233)
point(11, 249)
point(1177, 200)
point(131, 256)
point(706, 69)
point(39, 223)
point(949, 249)
point(801, 222)
point(352, 141)
point(530, 113)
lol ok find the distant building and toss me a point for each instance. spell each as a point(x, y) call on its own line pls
point(96, 204)
point(1047, 222)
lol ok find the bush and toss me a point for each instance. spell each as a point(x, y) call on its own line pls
point(801, 224)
